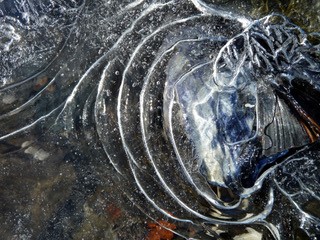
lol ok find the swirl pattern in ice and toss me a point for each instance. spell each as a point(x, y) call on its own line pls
point(179, 112)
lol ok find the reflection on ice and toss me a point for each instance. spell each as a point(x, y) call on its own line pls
point(156, 120)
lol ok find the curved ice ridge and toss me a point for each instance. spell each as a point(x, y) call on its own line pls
point(202, 114)
point(223, 115)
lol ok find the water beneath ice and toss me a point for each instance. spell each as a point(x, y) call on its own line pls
point(116, 116)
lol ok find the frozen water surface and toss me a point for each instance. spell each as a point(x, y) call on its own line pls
point(159, 120)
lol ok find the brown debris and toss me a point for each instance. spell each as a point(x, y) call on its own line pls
point(160, 230)
point(113, 212)
point(40, 83)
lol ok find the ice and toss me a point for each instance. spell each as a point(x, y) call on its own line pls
point(143, 119)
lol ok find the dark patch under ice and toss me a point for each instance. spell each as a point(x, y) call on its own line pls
point(173, 110)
